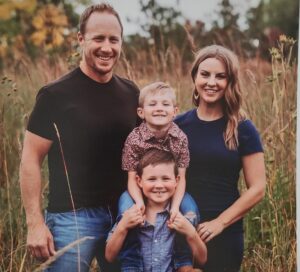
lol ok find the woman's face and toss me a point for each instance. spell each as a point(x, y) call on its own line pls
point(211, 81)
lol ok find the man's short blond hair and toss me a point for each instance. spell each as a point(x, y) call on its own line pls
point(155, 88)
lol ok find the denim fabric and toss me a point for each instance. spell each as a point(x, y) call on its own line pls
point(157, 243)
point(182, 254)
point(130, 254)
point(92, 222)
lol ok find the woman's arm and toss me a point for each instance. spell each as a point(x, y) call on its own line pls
point(255, 178)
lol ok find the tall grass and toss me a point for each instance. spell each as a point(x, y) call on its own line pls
point(271, 227)
point(270, 100)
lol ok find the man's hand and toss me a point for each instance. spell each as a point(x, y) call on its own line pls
point(40, 241)
point(131, 218)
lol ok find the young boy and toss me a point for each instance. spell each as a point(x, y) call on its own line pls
point(157, 176)
point(157, 107)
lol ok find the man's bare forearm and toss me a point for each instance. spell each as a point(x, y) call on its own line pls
point(30, 182)
point(34, 151)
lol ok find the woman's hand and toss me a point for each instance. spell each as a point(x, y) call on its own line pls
point(210, 229)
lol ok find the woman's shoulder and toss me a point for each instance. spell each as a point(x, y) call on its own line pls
point(185, 117)
point(246, 126)
point(249, 138)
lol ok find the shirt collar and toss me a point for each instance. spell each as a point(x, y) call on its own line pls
point(147, 134)
point(165, 211)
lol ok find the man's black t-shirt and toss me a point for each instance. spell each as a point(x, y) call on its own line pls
point(93, 121)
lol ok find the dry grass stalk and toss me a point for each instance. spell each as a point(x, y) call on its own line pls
point(61, 252)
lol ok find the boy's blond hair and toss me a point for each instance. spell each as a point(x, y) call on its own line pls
point(155, 88)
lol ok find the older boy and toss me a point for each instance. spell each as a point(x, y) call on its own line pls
point(157, 176)
point(157, 107)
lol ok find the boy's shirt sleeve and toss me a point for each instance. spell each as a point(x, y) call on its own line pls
point(184, 155)
point(130, 156)
point(111, 231)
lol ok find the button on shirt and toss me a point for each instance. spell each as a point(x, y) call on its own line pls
point(157, 243)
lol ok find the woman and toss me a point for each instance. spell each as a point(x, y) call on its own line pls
point(221, 143)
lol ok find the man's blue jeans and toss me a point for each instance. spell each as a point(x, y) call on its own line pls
point(92, 222)
point(182, 252)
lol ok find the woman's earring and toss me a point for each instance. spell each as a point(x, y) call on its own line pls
point(196, 95)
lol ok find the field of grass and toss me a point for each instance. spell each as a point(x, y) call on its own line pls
point(269, 98)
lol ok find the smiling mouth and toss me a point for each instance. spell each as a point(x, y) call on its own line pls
point(160, 192)
point(104, 58)
point(210, 91)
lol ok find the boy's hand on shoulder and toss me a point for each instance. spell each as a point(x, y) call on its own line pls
point(173, 213)
point(182, 225)
point(141, 206)
point(131, 218)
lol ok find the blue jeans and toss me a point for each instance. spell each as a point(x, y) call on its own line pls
point(92, 222)
point(130, 255)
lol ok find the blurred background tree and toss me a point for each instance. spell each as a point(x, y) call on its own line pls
point(31, 28)
point(270, 19)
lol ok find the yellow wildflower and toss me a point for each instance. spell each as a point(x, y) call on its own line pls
point(282, 38)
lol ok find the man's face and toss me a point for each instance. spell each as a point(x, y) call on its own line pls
point(158, 183)
point(101, 45)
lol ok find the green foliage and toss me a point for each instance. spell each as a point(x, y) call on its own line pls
point(227, 16)
point(282, 14)
point(270, 19)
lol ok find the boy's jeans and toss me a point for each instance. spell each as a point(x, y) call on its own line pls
point(182, 254)
point(93, 222)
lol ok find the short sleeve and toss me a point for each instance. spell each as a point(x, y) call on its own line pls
point(111, 231)
point(249, 140)
point(41, 119)
point(184, 155)
point(130, 156)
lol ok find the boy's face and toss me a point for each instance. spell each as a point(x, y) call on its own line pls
point(158, 183)
point(158, 111)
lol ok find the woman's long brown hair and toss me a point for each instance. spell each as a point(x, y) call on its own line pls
point(233, 97)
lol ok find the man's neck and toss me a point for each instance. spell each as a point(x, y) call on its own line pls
point(94, 75)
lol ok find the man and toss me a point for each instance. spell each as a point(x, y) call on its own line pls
point(81, 121)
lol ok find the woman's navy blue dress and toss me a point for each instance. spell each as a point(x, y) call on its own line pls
point(212, 180)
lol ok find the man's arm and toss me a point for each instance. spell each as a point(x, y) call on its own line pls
point(39, 238)
point(198, 247)
point(131, 218)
